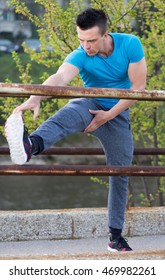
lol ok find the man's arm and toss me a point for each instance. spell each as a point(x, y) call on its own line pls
point(137, 74)
point(62, 77)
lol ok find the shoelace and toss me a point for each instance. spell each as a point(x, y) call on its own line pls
point(123, 243)
point(25, 130)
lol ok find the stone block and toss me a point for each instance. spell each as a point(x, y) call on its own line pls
point(33, 225)
point(90, 223)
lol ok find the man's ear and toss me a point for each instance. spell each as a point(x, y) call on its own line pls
point(105, 35)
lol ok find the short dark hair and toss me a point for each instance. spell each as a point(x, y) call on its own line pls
point(90, 18)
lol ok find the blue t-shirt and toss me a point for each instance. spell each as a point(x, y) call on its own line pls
point(108, 72)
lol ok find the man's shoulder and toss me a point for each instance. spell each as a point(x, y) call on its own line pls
point(125, 40)
point(77, 53)
point(76, 57)
point(123, 36)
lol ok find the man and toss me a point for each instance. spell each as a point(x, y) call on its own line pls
point(109, 60)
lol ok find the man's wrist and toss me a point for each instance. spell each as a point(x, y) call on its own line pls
point(109, 115)
point(35, 97)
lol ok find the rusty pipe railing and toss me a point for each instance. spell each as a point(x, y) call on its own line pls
point(22, 90)
point(82, 170)
point(89, 151)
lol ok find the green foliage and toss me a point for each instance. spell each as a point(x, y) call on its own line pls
point(100, 181)
point(145, 201)
point(149, 127)
point(23, 70)
point(119, 14)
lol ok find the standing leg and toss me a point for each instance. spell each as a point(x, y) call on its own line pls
point(116, 138)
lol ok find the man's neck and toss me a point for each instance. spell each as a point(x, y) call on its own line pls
point(108, 47)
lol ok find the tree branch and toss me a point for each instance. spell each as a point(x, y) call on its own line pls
point(133, 6)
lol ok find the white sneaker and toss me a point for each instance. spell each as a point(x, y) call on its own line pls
point(17, 138)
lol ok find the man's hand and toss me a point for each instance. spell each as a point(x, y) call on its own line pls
point(33, 103)
point(100, 118)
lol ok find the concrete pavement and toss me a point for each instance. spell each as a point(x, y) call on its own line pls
point(145, 247)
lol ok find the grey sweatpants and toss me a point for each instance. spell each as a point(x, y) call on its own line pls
point(115, 137)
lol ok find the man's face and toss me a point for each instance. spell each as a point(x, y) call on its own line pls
point(91, 40)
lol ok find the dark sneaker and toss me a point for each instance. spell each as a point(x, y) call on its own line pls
point(17, 137)
point(119, 244)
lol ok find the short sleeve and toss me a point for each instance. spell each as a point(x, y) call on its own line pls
point(135, 50)
point(76, 58)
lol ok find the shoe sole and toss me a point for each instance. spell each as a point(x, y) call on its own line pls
point(115, 250)
point(112, 250)
point(14, 130)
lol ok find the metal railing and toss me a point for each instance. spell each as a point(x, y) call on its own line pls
point(80, 170)
point(19, 90)
point(89, 151)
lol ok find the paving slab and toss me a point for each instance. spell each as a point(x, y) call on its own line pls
point(144, 247)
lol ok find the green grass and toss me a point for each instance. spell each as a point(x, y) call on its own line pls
point(8, 70)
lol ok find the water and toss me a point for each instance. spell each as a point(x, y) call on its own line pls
point(50, 192)
point(59, 192)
